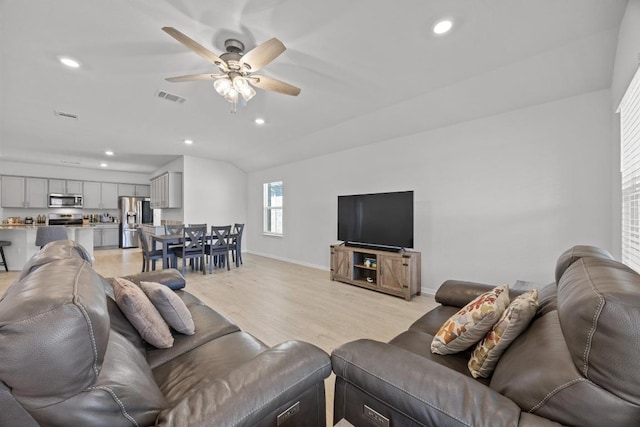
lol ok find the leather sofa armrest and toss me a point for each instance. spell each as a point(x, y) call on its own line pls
point(257, 391)
point(421, 389)
point(458, 293)
point(168, 277)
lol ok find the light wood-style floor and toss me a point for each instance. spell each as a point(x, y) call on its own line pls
point(277, 301)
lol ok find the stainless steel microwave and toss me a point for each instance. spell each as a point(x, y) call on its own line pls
point(65, 200)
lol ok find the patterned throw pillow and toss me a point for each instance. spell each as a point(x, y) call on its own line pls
point(139, 310)
point(472, 322)
point(513, 321)
point(171, 307)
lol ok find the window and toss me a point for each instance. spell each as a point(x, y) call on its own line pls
point(630, 168)
point(273, 208)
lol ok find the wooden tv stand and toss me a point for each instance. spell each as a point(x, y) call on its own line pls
point(395, 273)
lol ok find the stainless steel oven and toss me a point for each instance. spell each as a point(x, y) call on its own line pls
point(65, 200)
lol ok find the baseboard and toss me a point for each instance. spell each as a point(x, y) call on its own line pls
point(425, 291)
point(292, 261)
point(429, 291)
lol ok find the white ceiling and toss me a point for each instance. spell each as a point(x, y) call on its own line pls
point(370, 70)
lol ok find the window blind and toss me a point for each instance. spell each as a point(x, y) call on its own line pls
point(630, 170)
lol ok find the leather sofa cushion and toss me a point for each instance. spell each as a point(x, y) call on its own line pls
point(124, 391)
point(598, 304)
point(537, 373)
point(419, 343)
point(204, 364)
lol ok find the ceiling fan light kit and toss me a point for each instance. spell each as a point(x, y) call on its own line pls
point(236, 68)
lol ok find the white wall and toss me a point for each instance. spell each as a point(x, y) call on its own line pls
point(496, 199)
point(214, 192)
point(625, 66)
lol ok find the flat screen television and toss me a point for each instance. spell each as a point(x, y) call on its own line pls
point(380, 219)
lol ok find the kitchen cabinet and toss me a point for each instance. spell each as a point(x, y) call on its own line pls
point(100, 195)
point(106, 236)
point(24, 192)
point(166, 190)
point(135, 190)
point(63, 186)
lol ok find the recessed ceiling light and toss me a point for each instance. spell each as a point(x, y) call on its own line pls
point(188, 141)
point(71, 63)
point(103, 165)
point(443, 26)
point(109, 153)
point(259, 121)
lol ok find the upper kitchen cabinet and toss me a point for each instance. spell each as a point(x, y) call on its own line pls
point(135, 190)
point(100, 195)
point(23, 192)
point(166, 190)
point(62, 186)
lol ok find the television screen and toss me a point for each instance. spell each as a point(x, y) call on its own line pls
point(384, 219)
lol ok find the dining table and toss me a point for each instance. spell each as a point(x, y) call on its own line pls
point(166, 240)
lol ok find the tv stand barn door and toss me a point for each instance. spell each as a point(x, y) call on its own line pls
point(389, 272)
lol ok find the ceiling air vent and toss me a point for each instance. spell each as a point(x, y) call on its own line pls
point(65, 114)
point(170, 96)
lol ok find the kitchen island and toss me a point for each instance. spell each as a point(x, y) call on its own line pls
point(23, 239)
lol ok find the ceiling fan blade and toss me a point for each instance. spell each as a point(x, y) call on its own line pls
point(274, 85)
point(193, 77)
point(196, 47)
point(261, 55)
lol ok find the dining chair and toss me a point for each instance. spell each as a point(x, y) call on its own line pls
point(236, 244)
point(50, 233)
point(192, 247)
point(152, 255)
point(173, 228)
point(219, 245)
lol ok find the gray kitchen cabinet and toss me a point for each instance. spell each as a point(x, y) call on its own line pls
point(100, 195)
point(135, 190)
point(63, 186)
point(166, 190)
point(143, 190)
point(106, 236)
point(24, 192)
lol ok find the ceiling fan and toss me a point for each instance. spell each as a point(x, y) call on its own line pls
point(236, 67)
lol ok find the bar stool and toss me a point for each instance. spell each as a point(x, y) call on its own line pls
point(50, 233)
point(4, 243)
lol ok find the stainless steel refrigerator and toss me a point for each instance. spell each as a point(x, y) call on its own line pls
point(133, 212)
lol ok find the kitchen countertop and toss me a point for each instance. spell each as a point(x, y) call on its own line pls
point(33, 226)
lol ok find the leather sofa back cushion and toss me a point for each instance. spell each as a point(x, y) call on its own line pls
point(54, 328)
point(573, 254)
point(599, 310)
point(537, 373)
point(124, 394)
point(57, 250)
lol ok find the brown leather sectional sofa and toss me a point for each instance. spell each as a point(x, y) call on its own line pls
point(577, 364)
point(69, 357)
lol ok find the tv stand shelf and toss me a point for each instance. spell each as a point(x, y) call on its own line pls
point(389, 272)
